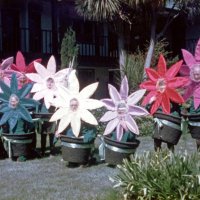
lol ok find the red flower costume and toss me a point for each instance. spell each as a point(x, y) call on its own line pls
point(162, 86)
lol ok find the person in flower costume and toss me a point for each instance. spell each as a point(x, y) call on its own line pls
point(22, 69)
point(162, 86)
point(16, 118)
point(74, 106)
point(121, 108)
point(192, 71)
point(45, 89)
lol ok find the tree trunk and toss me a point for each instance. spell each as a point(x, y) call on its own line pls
point(152, 41)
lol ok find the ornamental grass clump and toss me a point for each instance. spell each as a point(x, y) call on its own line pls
point(160, 176)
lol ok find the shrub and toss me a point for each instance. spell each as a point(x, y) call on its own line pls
point(160, 176)
point(69, 48)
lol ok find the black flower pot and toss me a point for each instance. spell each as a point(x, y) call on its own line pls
point(19, 145)
point(74, 149)
point(167, 128)
point(116, 151)
point(193, 124)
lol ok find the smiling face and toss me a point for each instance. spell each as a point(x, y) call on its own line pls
point(161, 85)
point(13, 101)
point(50, 83)
point(73, 104)
point(195, 73)
point(22, 79)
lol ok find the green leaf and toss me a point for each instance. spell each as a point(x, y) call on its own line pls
point(4, 97)
point(6, 90)
point(5, 108)
point(14, 84)
point(24, 114)
point(13, 119)
point(24, 91)
point(29, 102)
point(5, 117)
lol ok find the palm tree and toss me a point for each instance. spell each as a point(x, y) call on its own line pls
point(112, 9)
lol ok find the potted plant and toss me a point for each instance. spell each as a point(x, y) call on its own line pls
point(191, 70)
point(46, 82)
point(162, 86)
point(16, 120)
point(76, 123)
point(120, 133)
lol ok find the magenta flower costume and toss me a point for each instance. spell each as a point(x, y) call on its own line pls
point(192, 70)
point(121, 109)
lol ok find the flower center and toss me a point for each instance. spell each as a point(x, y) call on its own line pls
point(195, 73)
point(73, 104)
point(122, 108)
point(161, 85)
point(13, 101)
point(50, 83)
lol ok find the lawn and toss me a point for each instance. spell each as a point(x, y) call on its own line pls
point(49, 178)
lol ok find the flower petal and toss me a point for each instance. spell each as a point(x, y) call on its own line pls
point(148, 85)
point(41, 70)
point(119, 132)
point(89, 90)
point(135, 97)
point(131, 124)
point(184, 70)
point(137, 111)
point(188, 58)
point(20, 62)
point(173, 70)
point(51, 65)
point(189, 90)
point(109, 115)
point(31, 67)
point(39, 95)
point(146, 99)
point(59, 114)
point(7, 63)
point(124, 88)
point(61, 74)
point(64, 123)
point(108, 104)
point(92, 104)
point(156, 104)
point(114, 94)
point(35, 77)
point(73, 83)
point(162, 68)
point(177, 82)
point(88, 117)
point(174, 95)
point(165, 103)
point(111, 126)
point(197, 51)
point(76, 124)
point(152, 74)
point(38, 87)
point(196, 98)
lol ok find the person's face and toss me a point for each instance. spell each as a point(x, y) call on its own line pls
point(13, 102)
point(74, 105)
point(121, 108)
point(161, 85)
point(23, 79)
point(196, 73)
point(50, 84)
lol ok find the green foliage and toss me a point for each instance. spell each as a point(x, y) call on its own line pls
point(133, 64)
point(145, 125)
point(160, 176)
point(69, 48)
